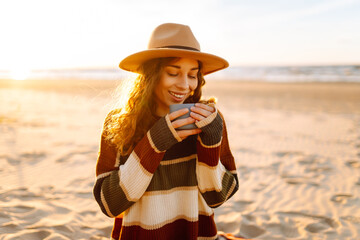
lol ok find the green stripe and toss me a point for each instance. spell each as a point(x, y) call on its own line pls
point(161, 135)
point(114, 195)
point(181, 174)
point(211, 134)
point(216, 198)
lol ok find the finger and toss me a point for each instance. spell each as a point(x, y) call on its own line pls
point(197, 116)
point(178, 113)
point(205, 106)
point(182, 122)
point(185, 133)
point(201, 111)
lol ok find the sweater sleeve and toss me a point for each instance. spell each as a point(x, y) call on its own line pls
point(117, 187)
point(216, 170)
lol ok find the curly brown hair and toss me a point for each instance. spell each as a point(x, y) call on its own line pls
point(125, 127)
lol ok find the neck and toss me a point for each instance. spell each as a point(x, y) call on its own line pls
point(161, 111)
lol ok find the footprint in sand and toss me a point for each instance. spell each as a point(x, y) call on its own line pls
point(296, 180)
point(341, 198)
point(285, 226)
point(33, 157)
point(316, 227)
point(11, 227)
point(29, 234)
point(250, 230)
point(351, 219)
point(329, 222)
point(260, 187)
point(4, 217)
point(358, 182)
point(242, 205)
point(318, 169)
point(353, 163)
point(18, 209)
point(13, 161)
point(286, 154)
point(22, 194)
point(301, 181)
point(73, 156)
point(308, 160)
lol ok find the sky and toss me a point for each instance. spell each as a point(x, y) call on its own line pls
point(52, 34)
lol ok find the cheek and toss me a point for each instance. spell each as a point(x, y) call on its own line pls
point(164, 83)
point(193, 84)
point(162, 89)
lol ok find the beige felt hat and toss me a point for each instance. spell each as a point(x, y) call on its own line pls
point(173, 40)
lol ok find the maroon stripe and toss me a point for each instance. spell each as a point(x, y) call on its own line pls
point(177, 230)
point(210, 156)
point(207, 227)
point(149, 159)
point(115, 234)
point(107, 157)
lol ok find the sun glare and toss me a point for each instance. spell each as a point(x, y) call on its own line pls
point(19, 74)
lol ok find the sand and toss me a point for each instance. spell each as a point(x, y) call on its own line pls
point(297, 150)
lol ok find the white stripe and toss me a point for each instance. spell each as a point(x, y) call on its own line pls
point(231, 190)
point(209, 146)
point(178, 160)
point(210, 178)
point(227, 195)
point(208, 120)
point(103, 175)
point(107, 209)
point(117, 162)
point(152, 143)
point(153, 210)
point(134, 178)
point(204, 208)
point(172, 129)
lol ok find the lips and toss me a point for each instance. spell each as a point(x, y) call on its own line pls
point(179, 96)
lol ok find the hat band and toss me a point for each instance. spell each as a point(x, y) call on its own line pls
point(181, 47)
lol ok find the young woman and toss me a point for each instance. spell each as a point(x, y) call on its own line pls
point(157, 181)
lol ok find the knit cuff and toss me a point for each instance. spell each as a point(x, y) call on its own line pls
point(212, 128)
point(163, 134)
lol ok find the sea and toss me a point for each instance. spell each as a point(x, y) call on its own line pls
point(344, 73)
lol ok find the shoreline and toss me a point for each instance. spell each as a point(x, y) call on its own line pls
point(333, 97)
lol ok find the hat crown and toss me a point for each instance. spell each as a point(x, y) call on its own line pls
point(172, 35)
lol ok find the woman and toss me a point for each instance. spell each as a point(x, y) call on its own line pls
point(157, 181)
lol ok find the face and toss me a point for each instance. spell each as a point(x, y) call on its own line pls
point(177, 81)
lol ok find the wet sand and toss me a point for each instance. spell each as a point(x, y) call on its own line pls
point(297, 150)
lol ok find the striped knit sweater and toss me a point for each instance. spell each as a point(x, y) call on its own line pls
point(166, 188)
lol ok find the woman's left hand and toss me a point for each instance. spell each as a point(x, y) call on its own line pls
point(201, 111)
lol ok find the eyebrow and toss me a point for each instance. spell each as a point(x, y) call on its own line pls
point(178, 67)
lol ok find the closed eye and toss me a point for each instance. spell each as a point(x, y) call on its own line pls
point(172, 74)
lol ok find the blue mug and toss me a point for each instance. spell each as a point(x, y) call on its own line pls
point(176, 107)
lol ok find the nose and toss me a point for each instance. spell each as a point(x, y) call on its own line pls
point(183, 82)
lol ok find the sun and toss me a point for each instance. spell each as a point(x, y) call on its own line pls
point(20, 74)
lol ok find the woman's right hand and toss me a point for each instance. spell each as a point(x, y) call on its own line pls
point(182, 122)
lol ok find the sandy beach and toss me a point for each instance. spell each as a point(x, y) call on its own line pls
point(296, 145)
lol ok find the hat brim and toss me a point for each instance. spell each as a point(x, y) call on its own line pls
point(210, 62)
